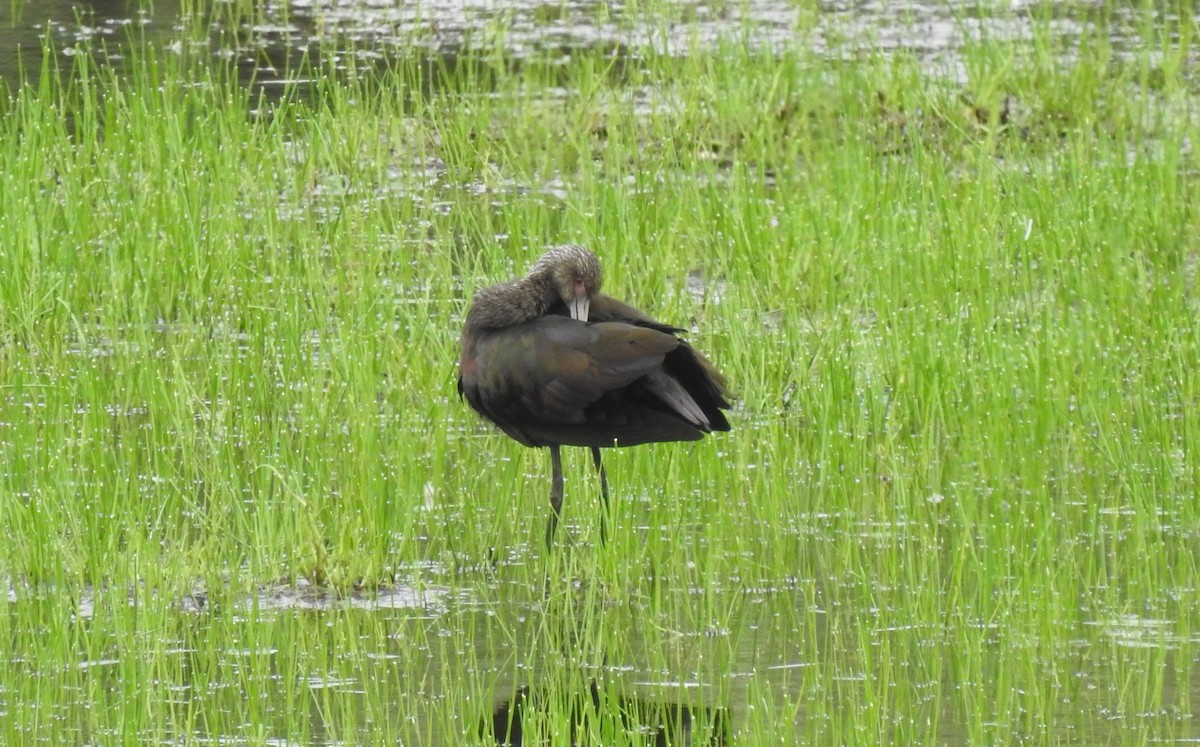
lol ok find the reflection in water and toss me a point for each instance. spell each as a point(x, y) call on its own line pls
point(664, 723)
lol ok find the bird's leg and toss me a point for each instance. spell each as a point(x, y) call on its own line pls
point(556, 494)
point(596, 460)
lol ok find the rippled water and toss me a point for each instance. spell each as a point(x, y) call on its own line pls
point(353, 653)
point(288, 32)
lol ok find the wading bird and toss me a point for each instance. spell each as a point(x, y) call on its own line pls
point(553, 362)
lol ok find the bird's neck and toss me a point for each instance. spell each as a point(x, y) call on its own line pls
point(508, 304)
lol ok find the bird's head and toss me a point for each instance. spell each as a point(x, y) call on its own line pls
point(575, 274)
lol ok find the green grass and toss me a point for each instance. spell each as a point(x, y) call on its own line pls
point(958, 505)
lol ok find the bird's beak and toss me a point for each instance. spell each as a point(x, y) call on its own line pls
point(579, 309)
point(582, 303)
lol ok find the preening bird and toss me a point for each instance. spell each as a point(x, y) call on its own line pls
point(553, 362)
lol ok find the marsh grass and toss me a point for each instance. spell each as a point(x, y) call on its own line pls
point(958, 505)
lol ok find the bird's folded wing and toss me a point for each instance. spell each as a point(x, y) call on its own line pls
point(551, 369)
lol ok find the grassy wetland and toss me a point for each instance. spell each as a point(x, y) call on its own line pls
point(955, 294)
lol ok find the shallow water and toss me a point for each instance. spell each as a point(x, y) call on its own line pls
point(299, 665)
point(268, 49)
point(439, 653)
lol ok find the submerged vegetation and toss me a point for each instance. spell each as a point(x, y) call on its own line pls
point(958, 303)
